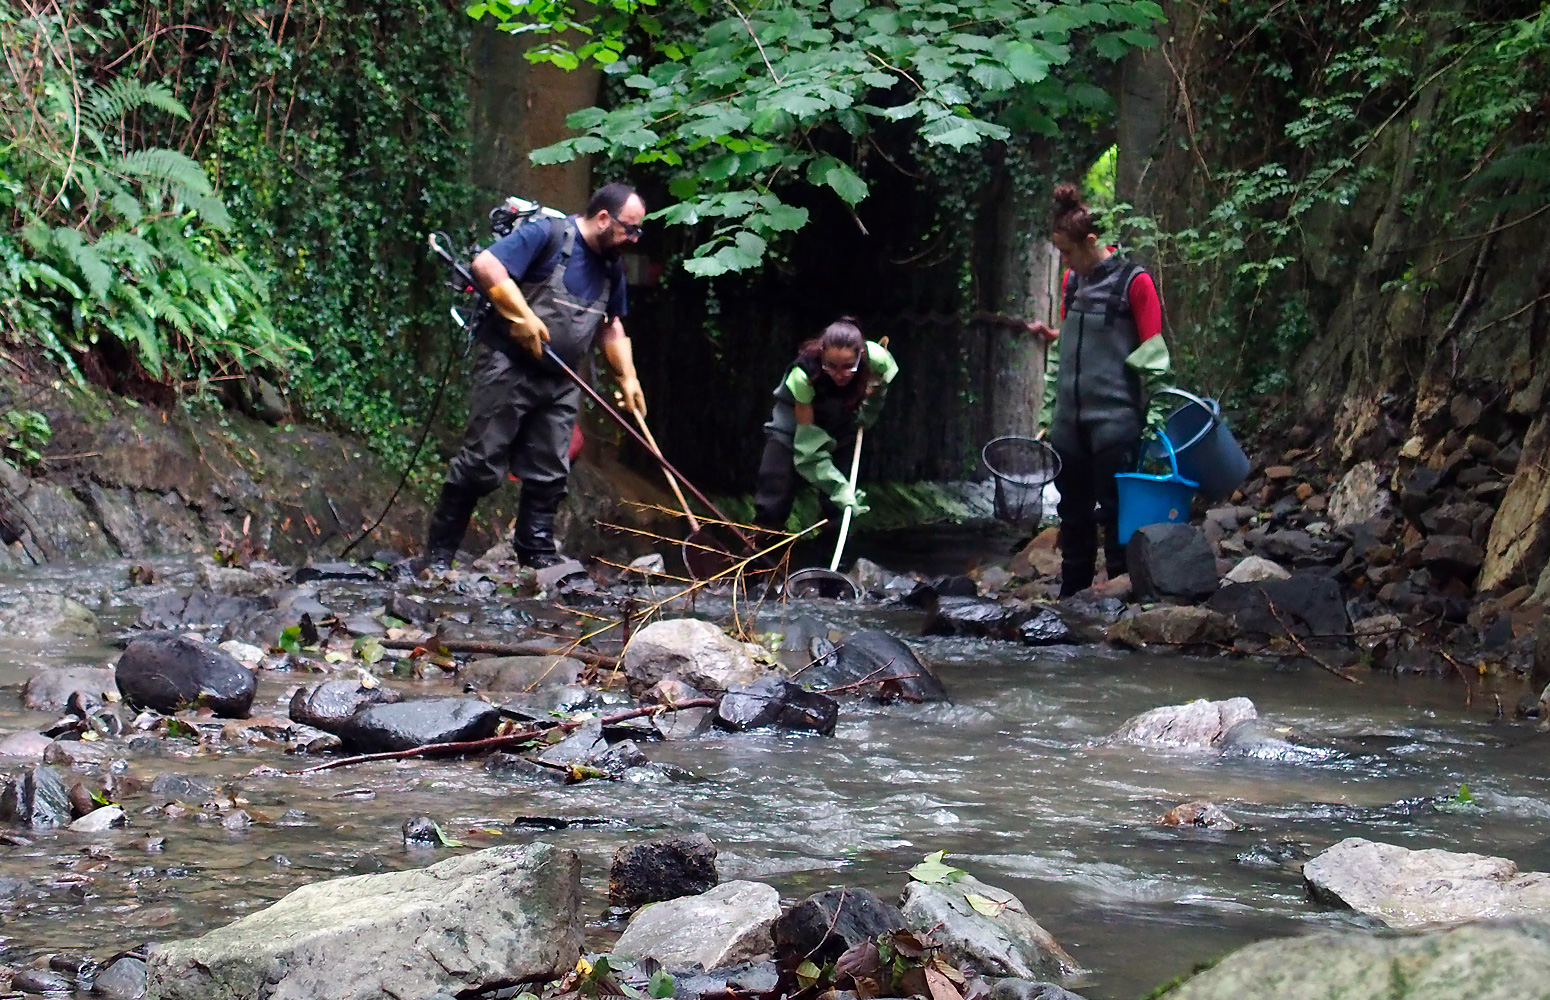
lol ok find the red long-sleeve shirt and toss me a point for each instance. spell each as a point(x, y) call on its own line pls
point(1145, 306)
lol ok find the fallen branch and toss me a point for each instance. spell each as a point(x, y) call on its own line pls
point(863, 682)
point(501, 742)
point(502, 649)
point(1469, 694)
point(1305, 650)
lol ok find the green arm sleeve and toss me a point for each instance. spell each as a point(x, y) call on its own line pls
point(1152, 363)
point(885, 369)
point(812, 449)
point(800, 388)
point(1051, 380)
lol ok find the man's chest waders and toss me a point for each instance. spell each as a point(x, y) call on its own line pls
point(1097, 398)
point(521, 413)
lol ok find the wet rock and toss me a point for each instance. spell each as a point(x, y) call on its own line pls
point(696, 652)
point(47, 616)
point(684, 724)
point(50, 690)
point(99, 820)
point(1171, 625)
point(521, 673)
point(620, 757)
point(1418, 490)
point(1199, 724)
point(869, 575)
point(777, 702)
point(1046, 628)
point(510, 765)
point(488, 918)
point(977, 617)
point(1299, 548)
point(1092, 610)
point(1253, 569)
point(661, 870)
point(334, 571)
point(409, 724)
point(1199, 813)
point(236, 821)
point(123, 980)
point(1040, 557)
point(1309, 605)
point(994, 579)
point(1261, 740)
point(41, 981)
point(1411, 889)
point(38, 798)
point(24, 746)
point(1171, 560)
point(169, 673)
point(875, 655)
point(580, 747)
point(652, 564)
point(180, 788)
point(233, 581)
point(243, 652)
point(716, 929)
point(1013, 988)
point(1008, 942)
point(1452, 556)
point(329, 705)
point(824, 925)
point(201, 609)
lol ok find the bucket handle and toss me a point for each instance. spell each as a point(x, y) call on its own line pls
point(1209, 405)
point(1173, 458)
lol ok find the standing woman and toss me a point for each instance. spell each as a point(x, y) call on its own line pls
point(1104, 368)
point(836, 385)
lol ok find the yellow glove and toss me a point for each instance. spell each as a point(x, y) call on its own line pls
point(621, 357)
point(525, 326)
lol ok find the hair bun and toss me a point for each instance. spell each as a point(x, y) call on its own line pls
point(1067, 197)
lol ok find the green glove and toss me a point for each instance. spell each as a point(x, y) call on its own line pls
point(883, 369)
point(872, 407)
point(850, 498)
point(1152, 363)
point(812, 451)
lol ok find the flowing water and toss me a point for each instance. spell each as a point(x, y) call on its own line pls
point(1011, 779)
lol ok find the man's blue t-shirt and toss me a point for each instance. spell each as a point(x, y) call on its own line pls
point(585, 277)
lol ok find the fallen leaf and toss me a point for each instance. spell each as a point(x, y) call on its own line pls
point(934, 871)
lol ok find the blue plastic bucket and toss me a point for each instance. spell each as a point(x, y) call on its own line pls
point(1146, 499)
point(1210, 455)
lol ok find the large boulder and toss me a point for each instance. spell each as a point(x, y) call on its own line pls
point(1480, 961)
point(696, 652)
point(778, 703)
point(47, 616)
point(1411, 889)
point(1171, 625)
point(824, 925)
point(1171, 560)
point(1200, 724)
point(170, 673)
point(986, 926)
point(50, 690)
point(720, 928)
point(409, 724)
point(1308, 605)
point(328, 705)
point(662, 869)
point(481, 920)
point(874, 655)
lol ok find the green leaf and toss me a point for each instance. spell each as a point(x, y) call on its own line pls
point(844, 10)
point(446, 841)
point(934, 871)
point(661, 985)
point(846, 183)
point(290, 639)
point(720, 168)
point(1026, 63)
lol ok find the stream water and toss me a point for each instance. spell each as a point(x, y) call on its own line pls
point(1011, 779)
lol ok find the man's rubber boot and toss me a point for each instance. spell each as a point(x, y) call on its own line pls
point(448, 525)
point(533, 536)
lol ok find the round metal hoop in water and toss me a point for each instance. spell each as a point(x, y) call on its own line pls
point(1021, 467)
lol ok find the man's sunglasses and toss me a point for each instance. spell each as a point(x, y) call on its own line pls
point(631, 230)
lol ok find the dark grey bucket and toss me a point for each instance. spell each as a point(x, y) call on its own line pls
point(1209, 454)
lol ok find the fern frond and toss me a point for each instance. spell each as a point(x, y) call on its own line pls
point(164, 166)
point(210, 208)
point(96, 271)
point(110, 104)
